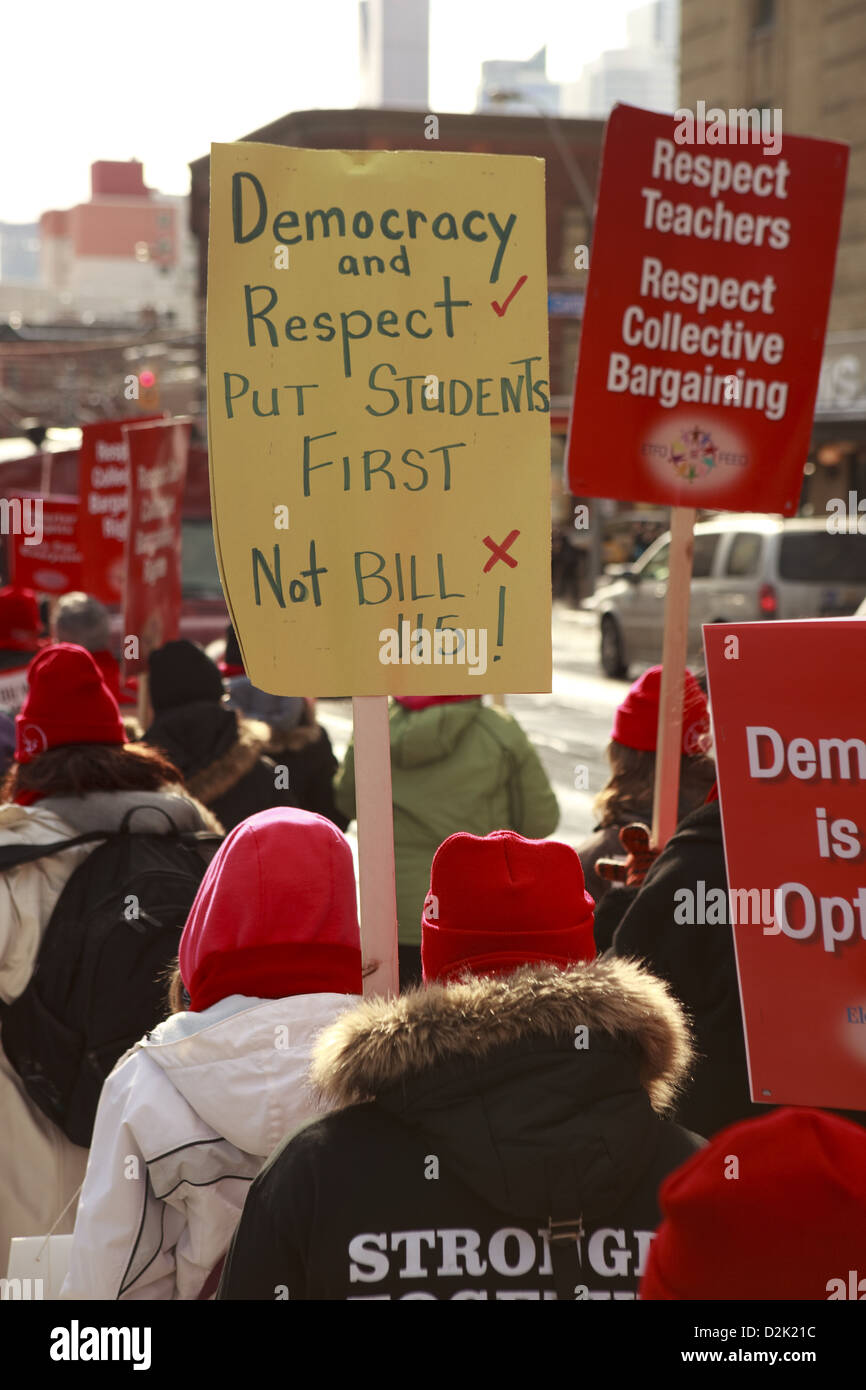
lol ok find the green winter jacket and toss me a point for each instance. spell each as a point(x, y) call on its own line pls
point(453, 767)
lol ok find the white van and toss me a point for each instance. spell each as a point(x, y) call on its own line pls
point(745, 569)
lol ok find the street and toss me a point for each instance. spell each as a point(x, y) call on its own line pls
point(569, 728)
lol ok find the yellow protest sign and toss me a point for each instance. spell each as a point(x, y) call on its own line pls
point(378, 409)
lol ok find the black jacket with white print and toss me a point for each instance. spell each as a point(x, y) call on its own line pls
point(499, 1138)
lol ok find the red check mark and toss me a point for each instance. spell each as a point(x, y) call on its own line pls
point(500, 308)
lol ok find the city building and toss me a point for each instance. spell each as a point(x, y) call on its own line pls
point(115, 296)
point(509, 86)
point(395, 52)
point(19, 253)
point(124, 253)
point(804, 58)
point(644, 73)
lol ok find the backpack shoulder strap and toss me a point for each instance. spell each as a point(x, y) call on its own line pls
point(13, 855)
point(205, 837)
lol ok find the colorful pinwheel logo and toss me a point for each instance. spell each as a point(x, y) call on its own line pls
point(693, 454)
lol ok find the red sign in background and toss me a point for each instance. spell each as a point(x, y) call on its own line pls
point(102, 482)
point(53, 566)
point(152, 591)
point(709, 285)
point(787, 702)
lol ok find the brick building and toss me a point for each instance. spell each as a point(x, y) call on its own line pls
point(806, 58)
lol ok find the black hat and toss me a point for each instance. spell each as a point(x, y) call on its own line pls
point(232, 655)
point(181, 673)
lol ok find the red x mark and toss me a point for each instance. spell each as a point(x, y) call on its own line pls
point(499, 551)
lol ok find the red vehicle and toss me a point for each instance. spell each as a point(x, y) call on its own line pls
point(27, 471)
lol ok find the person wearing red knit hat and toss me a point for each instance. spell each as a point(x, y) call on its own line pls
point(73, 773)
point(501, 901)
point(456, 764)
point(20, 629)
point(270, 954)
point(496, 1133)
point(788, 1222)
point(20, 625)
point(68, 702)
point(627, 796)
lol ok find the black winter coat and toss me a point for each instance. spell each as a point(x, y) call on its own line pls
point(480, 1116)
point(698, 962)
point(222, 758)
point(306, 752)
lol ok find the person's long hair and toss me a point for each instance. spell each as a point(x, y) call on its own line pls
point(78, 768)
point(628, 793)
point(178, 999)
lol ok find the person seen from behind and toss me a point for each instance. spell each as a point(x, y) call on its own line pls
point(73, 773)
point(269, 955)
point(456, 764)
point(81, 619)
point(627, 797)
point(297, 740)
point(221, 754)
point(774, 1208)
point(498, 1133)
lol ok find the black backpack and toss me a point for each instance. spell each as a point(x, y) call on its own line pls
point(100, 979)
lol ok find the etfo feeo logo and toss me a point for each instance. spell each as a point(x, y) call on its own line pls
point(693, 454)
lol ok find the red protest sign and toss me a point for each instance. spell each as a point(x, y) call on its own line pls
point(13, 688)
point(152, 590)
point(102, 479)
point(787, 701)
point(53, 566)
point(709, 286)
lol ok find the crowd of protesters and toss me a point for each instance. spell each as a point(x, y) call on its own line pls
point(548, 1108)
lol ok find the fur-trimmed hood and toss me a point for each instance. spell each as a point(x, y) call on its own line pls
point(386, 1042)
point(212, 745)
point(294, 740)
point(517, 1077)
point(226, 771)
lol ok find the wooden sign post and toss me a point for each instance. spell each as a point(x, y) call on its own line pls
point(667, 782)
point(375, 842)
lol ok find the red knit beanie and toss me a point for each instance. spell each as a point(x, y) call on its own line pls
point(772, 1208)
point(20, 623)
point(635, 723)
point(500, 901)
point(68, 702)
point(275, 914)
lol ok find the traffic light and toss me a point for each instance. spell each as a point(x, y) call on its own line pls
point(148, 390)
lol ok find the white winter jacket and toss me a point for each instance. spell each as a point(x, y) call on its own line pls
point(185, 1122)
point(40, 1169)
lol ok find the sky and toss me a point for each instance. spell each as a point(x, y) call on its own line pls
point(158, 80)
